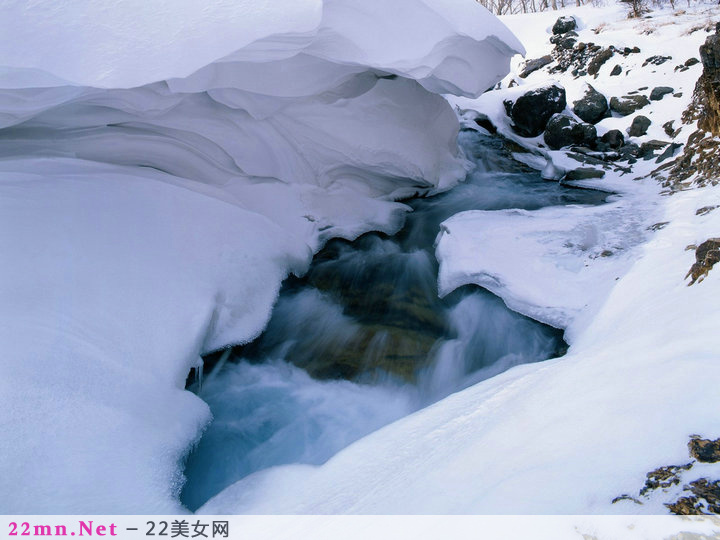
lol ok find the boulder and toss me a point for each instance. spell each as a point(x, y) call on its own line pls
point(564, 24)
point(614, 139)
point(617, 70)
point(639, 126)
point(533, 65)
point(628, 104)
point(563, 130)
point(531, 111)
point(660, 92)
point(592, 107)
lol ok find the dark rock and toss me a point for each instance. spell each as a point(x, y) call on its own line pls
point(704, 498)
point(648, 149)
point(556, 39)
point(599, 59)
point(614, 139)
point(564, 24)
point(628, 152)
point(563, 130)
point(617, 70)
point(669, 152)
point(691, 62)
point(639, 126)
point(485, 122)
point(531, 111)
point(706, 255)
point(669, 129)
point(705, 450)
point(584, 173)
point(628, 104)
point(660, 92)
point(664, 477)
point(533, 65)
point(706, 210)
point(656, 60)
point(567, 43)
point(592, 107)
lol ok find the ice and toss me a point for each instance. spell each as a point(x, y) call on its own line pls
point(549, 264)
point(163, 167)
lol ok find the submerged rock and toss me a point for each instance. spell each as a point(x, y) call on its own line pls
point(531, 111)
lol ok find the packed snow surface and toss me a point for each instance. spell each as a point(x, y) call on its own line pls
point(163, 166)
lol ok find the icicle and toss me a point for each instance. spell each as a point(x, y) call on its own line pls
point(199, 373)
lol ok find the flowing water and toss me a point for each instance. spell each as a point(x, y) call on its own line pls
point(363, 339)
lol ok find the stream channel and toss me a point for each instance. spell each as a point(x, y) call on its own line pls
point(363, 339)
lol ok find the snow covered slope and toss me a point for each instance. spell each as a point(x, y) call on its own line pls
point(163, 166)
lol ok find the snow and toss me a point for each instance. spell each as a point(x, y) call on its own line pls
point(548, 264)
point(163, 167)
point(569, 435)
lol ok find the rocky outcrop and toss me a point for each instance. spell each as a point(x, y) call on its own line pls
point(628, 104)
point(698, 496)
point(700, 161)
point(592, 107)
point(531, 111)
point(704, 450)
point(563, 130)
point(707, 255)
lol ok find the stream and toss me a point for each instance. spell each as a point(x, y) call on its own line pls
point(363, 339)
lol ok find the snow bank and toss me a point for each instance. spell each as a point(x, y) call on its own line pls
point(163, 166)
point(550, 264)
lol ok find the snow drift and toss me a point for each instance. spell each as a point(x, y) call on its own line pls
point(163, 166)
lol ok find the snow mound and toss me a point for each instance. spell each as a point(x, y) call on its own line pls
point(549, 264)
point(163, 166)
